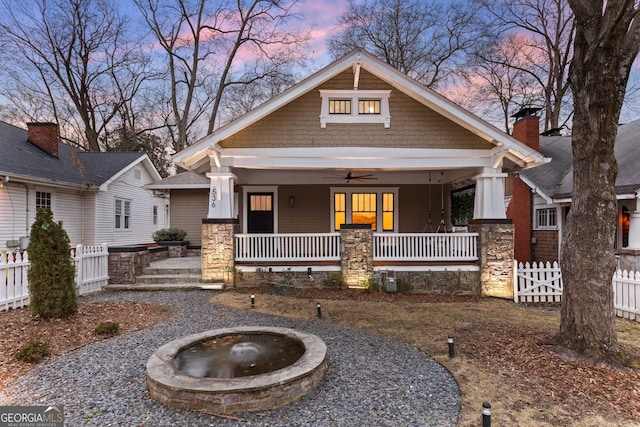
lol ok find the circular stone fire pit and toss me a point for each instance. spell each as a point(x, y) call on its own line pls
point(236, 369)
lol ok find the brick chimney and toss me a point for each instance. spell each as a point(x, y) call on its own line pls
point(526, 129)
point(45, 136)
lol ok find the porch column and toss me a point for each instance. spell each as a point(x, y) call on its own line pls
point(356, 254)
point(489, 200)
point(634, 225)
point(221, 202)
point(217, 253)
point(495, 250)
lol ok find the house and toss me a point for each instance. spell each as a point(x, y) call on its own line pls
point(99, 197)
point(356, 146)
point(542, 196)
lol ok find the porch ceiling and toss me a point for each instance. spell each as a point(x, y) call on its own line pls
point(334, 177)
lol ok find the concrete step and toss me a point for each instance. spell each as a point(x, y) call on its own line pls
point(173, 271)
point(167, 278)
point(164, 287)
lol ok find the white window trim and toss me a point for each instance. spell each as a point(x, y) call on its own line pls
point(44, 190)
point(545, 227)
point(245, 203)
point(383, 95)
point(379, 191)
point(122, 228)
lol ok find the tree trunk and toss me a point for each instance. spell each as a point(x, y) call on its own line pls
point(598, 76)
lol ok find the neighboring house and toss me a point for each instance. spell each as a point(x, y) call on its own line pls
point(99, 197)
point(542, 195)
point(188, 192)
point(357, 143)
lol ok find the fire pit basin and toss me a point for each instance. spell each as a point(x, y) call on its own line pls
point(212, 388)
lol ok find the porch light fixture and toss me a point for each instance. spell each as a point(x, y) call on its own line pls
point(292, 201)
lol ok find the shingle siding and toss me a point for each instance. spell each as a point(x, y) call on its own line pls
point(298, 124)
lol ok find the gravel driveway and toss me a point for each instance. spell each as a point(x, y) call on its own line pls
point(371, 381)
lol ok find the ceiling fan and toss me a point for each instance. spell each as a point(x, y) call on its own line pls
point(350, 176)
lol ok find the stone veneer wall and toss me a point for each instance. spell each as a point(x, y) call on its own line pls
point(356, 253)
point(218, 255)
point(125, 263)
point(451, 282)
point(496, 246)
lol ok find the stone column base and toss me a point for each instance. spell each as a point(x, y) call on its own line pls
point(217, 254)
point(495, 249)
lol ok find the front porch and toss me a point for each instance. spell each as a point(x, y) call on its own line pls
point(444, 263)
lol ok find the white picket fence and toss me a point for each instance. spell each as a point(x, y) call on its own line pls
point(91, 274)
point(540, 282)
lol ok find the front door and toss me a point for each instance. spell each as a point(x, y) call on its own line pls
point(260, 213)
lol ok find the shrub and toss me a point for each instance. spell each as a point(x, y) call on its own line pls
point(33, 352)
point(52, 288)
point(169, 235)
point(334, 279)
point(107, 328)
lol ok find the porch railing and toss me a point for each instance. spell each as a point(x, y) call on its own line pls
point(288, 247)
point(386, 247)
point(425, 247)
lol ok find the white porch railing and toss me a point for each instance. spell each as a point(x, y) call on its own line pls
point(288, 247)
point(543, 283)
point(425, 246)
point(91, 274)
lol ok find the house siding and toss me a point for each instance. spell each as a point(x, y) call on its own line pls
point(312, 210)
point(13, 207)
point(68, 210)
point(141, 227)
point(546, 246)
point(188, 208)
point(298, 124)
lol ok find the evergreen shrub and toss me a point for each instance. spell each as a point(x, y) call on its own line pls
point(52, 288)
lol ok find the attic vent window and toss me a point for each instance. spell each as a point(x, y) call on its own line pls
point(355, 106)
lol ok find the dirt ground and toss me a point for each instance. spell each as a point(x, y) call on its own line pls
point(501, 353)
point(19, 328)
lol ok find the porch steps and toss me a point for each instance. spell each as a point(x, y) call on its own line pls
point(169, 274)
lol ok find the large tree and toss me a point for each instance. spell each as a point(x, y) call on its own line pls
point(71, 60)
point(210, 46)
point(425, 40)
point(606, 44)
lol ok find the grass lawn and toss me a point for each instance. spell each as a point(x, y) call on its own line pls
point(501, 352)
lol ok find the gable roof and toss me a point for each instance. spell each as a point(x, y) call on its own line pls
point(554, 181)
point(506, 146)
point(25, 161)
point(182, 180)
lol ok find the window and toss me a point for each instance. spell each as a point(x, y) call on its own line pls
point(546, 218)
point(155, 215)
point(363, 209)
point(123, 214)
point(339, 106)
point(137, 174)
point(387, 212)
point(260, 202)
point(355, 106)
point(339, 210)
point(370, 205)
point(369, 106)
point(43, 200)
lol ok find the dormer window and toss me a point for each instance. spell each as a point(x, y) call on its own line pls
point(339, 106)
point(355, 106)
point(369, 106)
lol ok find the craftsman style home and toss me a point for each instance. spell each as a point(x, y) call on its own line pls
point(98, 197)
point(355, 169)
